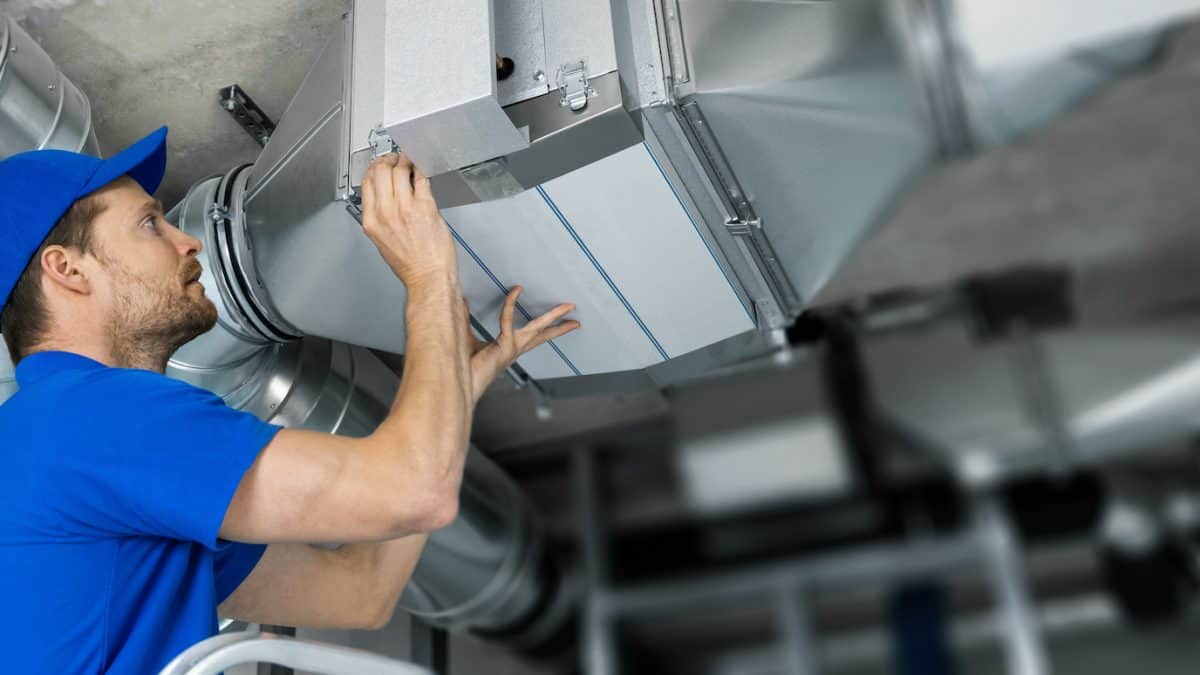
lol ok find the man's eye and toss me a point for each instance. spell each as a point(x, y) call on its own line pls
point(150, 223)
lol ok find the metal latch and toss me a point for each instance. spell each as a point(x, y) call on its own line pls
point(381, 142)
point(573, 87)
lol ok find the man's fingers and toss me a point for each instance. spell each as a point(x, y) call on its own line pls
point(401, 176)
point(506, 312)
point(388, 159)
point(380, 175)
point(549, 317)
point(557, 331)
point(368, 187)
point(421, 187)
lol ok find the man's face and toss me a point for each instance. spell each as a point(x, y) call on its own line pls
point(147, 274)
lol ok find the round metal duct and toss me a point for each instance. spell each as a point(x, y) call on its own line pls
point(39, 107)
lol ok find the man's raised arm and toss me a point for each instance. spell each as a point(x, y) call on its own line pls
point(308, 486)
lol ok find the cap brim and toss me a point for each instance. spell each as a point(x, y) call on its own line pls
point(144, 161)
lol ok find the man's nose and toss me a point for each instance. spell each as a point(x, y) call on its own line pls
point(187, 244)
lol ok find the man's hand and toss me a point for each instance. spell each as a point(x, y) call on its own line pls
point(401, 218)
point(489, 358)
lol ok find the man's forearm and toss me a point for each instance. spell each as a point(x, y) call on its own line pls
point(431, 417)
point(354, 586)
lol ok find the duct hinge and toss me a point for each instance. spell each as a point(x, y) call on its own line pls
point(381, 142)
point(573, 87)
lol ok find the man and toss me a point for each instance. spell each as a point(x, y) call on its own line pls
point(125, 488)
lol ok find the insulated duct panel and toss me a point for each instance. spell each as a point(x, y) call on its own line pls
point(607, 256)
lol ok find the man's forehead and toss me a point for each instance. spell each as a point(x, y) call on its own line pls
point(125, 196)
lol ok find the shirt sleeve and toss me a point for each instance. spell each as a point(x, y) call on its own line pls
point(155, 456)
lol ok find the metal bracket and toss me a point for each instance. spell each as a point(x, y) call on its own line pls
point(247, 114)
point(676, 54)
point(381, 142)
point(741, 220)
point(573, 86)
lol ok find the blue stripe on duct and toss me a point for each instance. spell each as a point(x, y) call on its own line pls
point(600, 268)
point(503, 290)
point(635, 229)
point(523, 241)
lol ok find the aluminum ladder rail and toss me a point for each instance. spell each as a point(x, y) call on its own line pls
point(220, 652)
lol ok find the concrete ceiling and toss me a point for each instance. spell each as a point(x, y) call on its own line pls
point(144, 63)
point(1113, 187)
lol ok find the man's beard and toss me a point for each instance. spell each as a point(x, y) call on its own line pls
point(153, 318)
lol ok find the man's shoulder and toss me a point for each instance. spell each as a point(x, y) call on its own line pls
point(105, 391)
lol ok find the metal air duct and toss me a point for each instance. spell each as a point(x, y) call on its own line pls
point(683, 170)
point(39, 106)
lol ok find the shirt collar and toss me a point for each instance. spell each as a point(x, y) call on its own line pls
point(42, 364)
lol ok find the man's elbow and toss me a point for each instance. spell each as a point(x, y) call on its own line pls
point(441, 511)
point(432, 511)
point(379, 618)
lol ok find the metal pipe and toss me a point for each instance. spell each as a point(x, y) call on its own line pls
point(597, 631)
point(795, 625)
point(39, 107)
point(1026, 654)
point(218, 653)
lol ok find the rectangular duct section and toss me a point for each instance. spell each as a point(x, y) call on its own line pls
point(595, 217)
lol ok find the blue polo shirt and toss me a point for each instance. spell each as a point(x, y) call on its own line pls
point(115, 483)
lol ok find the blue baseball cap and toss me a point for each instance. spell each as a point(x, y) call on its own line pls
point(38, 187)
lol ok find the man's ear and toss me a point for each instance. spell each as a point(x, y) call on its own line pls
point(60, 266)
